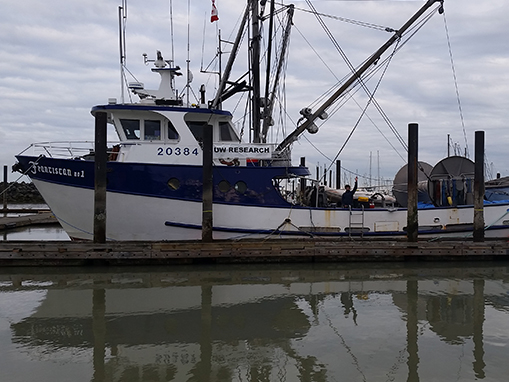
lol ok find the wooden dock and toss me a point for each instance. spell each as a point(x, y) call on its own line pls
point(9, 222)
point(15, 253)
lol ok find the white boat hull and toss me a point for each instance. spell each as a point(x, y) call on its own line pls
point(134, 217)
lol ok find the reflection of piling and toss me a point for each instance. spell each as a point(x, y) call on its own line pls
point(478, 363)
point(412, 222)
point(479, 187)
point(206, 333)
point(100, 178)
point(207, 191)
point(99, 332)
point(412, 330)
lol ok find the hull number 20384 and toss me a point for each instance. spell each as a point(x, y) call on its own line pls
point(176, 151)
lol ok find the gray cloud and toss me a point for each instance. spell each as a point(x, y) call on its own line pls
point(60, 58)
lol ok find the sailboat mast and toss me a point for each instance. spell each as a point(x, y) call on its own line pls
point(255, 71)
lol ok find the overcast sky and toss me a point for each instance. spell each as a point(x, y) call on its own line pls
point(59, 58)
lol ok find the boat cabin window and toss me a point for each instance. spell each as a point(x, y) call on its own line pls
point(226, 133)
point(148, 129)
point(172, 133)
point(152, 130)
point(196, 128)
point(131, 128)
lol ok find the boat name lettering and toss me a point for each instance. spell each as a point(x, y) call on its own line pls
point(177, 151)
point(37, 168)
point(260, 151)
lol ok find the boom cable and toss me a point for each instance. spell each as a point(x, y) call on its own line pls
point(456, 85)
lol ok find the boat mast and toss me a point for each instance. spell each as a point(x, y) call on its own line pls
point(255, 71)
point(220, 94)
point(269, 98)
point(356, 76)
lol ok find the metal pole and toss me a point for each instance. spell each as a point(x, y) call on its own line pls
point(412, 219)
point(479, 187)
point(100, 178)
point(207, 192)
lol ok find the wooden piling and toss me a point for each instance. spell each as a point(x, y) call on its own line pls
point(302, 180)
point(101, 158)
point(207, 188)
point(412, 220)
point(479, 187)
point(338, 174)
point(5, 188)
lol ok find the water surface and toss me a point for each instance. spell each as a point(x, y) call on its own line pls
point(341, 322)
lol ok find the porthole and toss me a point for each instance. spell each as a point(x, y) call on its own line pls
point(224, 186)
point(240, 187)
point(174, 184)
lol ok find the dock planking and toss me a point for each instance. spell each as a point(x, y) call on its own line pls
point(29, 253)
point(9, 222)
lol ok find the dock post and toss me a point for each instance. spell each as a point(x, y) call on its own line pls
point(101, 158)
point(412, 219)
point(207, 188)
point(338, 174)
point(5, 188)
point(302, 180)
point(479, 187)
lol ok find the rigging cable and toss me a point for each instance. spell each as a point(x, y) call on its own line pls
point(370, 74)
point(360, 80)
point(456, 86)
point(345, 58)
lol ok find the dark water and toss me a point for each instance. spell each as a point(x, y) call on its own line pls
point(343, 322)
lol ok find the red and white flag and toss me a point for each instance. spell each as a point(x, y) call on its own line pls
point(213, 13)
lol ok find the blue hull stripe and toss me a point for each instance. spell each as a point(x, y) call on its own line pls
point(311, 234)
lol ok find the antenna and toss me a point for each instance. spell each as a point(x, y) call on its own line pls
point(188, 79)
point(122, 17)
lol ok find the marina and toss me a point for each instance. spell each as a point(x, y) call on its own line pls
point(179, 239)
point(183, 170)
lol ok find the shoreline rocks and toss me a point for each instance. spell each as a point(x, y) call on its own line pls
point(21, 192)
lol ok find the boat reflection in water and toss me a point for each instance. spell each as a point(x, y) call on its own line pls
point(308, 322)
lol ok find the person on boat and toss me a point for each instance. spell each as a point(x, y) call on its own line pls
point(347, 197)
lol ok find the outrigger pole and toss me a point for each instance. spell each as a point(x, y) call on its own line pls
point(357, 75)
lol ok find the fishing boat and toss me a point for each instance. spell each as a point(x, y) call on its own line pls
point(155, 171)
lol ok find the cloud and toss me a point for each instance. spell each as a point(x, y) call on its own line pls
point(60, 58)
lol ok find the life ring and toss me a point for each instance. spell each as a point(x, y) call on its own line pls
point(233, 162)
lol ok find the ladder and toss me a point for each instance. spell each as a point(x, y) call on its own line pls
point(356, 220)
